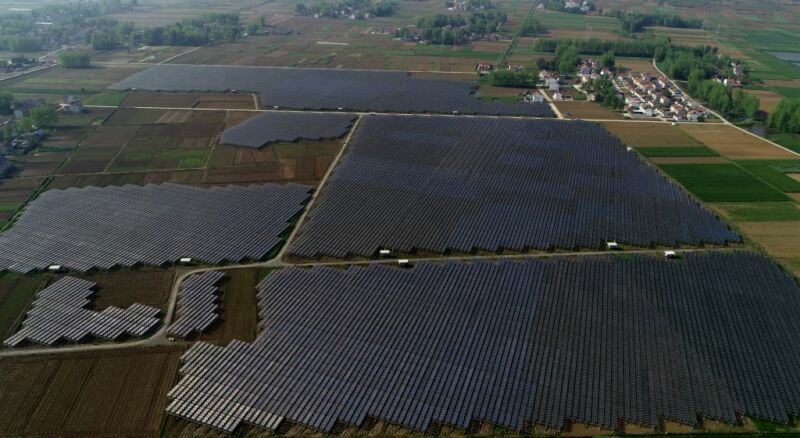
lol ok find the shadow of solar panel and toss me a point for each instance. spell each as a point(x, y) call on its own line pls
point(59, 313)
point(444, 183)
point(594, 339)
point(270, 127)
point(198, 306)
point(323, 89)
point(5, 167)
point(101, 228)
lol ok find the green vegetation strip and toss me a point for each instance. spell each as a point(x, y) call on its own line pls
point(107, 98)
point(761, 211)
point(682, 151)
point(788, 140)
point(774, 172)
point(722, 183)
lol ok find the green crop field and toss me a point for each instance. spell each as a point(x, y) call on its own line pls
point(722, 183)
point(688, 151)
point(774, 172)
point(789, 140)
point(761, 211)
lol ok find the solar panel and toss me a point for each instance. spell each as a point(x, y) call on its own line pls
point(327, 89)
point(59, 313)
point(413, 183)
point(270, 127)
point(94, 227)
point(197, 305)
point(593, 339)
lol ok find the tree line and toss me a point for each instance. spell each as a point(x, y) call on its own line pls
point(786, 116)
point(358, 8)
point(645, 47)
point(725, 99)
point(637, 22)
point(454, 29)
point(74, 59)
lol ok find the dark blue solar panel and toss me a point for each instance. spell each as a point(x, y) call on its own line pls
point(356, 90)
point(273, 126)
point(435, 184)
point(594, 339)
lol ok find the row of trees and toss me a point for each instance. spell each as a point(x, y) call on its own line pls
point(605, 93)
point(636, 22)
point(74, 59)
point(681, 62)
point(530, 27)
point(786, 116)
point(728, 100)
point(645, 47)
point(358, 8)
point(509, 78)
point(195, 31)
point(454, 29)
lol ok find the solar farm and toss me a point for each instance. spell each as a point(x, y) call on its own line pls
point(102, 228)
point(319, 89)
point(271, 127)
point(342, 231)
point(431, 184)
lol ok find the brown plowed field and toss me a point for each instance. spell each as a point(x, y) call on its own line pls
point(735, 144)
point(119, 393)
point(654, 134)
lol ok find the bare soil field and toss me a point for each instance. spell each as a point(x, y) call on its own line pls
point(768, 100)
point(39, 164)
point(16, 292)
point(123, 288)
point(586, 110)
point(134, 117)
point(491, 91)
point(189, 100)
point(582, 34)
point(733, 143)
point(98, 150)
point(687, 160)
point(779, 239)
point(792, 83)
point(653, 134)
point(119, 393)
point(635, 65)
point(239, 308)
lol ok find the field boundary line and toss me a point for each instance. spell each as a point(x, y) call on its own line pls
point(179, 54)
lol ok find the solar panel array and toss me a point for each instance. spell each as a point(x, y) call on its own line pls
point(198, 306)
point(5, 166)
point(323, 89)
point(59, 313)
point(273, 126)
point(97, 227)
point(444, 183)
point(595, 339)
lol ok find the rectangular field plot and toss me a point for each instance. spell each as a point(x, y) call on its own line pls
point(596, 340)
point(273, 126)
point(121, 393)
point(722, 183)
point(387, 91)
point(650, 134)
point(734, 143)
point(102, 228)
point(441, 183)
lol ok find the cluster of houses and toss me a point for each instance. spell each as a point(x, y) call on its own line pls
point(22, 144)
point(651, 95)
point(551, 82)
point(18, 64)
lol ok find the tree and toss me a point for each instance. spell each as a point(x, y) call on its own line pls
point(42, 117)
point(608, 60)
point(6, 102)
point(104, 40)
point(74, 59)
point(566, 58)
point(530, 27)
point(253, 28)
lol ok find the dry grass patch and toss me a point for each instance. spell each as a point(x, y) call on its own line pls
point(650, 134)
point(768, 100)
point(586, 110)
point(780, 239)
point(735, 143)
point(636, 65)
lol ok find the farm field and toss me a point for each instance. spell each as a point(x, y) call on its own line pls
point(768, 100)
point(586, 110)
point(239, 308)
point(733, 143)
point(722, 183)
point(16, 292)
point(647, 134)
point(52, 84)
point(123, 288)
point(119, 393)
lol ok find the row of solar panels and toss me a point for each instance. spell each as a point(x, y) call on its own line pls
point(595, 339)
point(198, 306)
point(325, 89)
point(106, 227)
point(274, 126)
point(59, 313)
point(441, 183)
